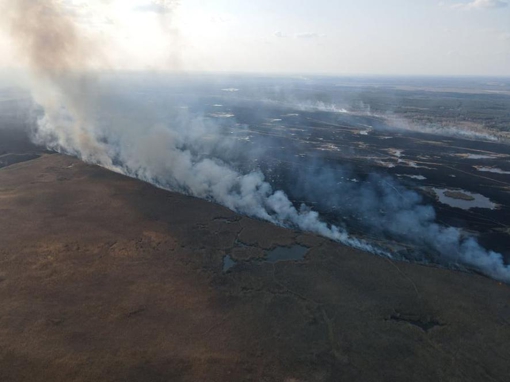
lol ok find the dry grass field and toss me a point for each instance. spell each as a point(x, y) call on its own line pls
point(106, 278)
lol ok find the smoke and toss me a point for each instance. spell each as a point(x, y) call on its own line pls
point(58, 56)
point(48, 39)
point(472, 132)
point(385, 209)
point(179, 158)
point(60, 59)
point(310, 102)
point(192, 154)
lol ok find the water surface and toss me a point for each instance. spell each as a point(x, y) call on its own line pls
point(294, 253)
point(479, 201)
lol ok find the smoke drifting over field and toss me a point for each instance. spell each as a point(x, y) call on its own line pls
point(58, 57)
point(393, 121)
point(390, 210)
point(179, 155)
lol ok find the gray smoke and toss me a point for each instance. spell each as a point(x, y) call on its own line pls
point(51, 45)
point(464, 132)
point(179, 156)
point(387, 209)
point(393, 121)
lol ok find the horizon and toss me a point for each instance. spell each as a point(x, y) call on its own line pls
point(270, 74)
point(425, 38)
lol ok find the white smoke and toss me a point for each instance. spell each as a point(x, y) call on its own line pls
point(178, 156)
point(172, 157)
point(384, 208)
point(473, 132)
point(392, 120)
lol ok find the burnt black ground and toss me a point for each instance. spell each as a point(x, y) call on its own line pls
point(334, 139)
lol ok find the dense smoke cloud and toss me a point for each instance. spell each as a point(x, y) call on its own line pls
point(58, 56)
point(387, 209)
point(47, 37)
point(179, 156)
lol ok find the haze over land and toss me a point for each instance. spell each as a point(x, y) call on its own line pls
point(200, 191)
point(81, 114)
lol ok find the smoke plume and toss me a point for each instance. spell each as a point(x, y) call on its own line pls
point(61, 61)
point(180, 156)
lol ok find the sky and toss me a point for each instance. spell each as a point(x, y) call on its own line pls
point(340, 37)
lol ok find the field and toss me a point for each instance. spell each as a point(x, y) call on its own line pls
point(105, 277)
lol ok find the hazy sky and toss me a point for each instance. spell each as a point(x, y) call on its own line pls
point(451, 37)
